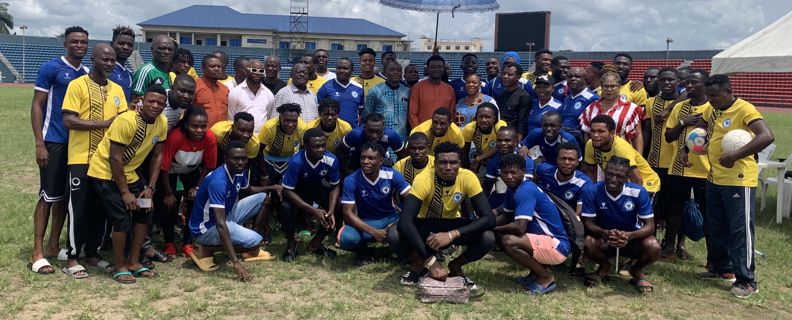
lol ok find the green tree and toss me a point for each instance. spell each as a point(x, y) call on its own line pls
point(6, 19)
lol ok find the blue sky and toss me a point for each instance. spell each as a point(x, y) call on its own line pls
point(591, 25)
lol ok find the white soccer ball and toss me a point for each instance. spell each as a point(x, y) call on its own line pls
point(735, 139)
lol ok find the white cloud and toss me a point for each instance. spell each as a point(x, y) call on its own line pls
point(628, 25)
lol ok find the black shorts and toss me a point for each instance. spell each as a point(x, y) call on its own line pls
point(631, 250)
point(110, 197)
point(54, 179)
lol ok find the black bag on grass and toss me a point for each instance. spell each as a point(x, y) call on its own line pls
point(693, 226)
point(572, 223)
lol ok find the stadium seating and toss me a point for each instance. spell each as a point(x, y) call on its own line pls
point(764, 89)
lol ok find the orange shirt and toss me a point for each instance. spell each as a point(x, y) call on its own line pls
point(426, 97)
point(213, 97)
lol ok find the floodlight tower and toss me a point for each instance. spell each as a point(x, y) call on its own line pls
point(298, 19)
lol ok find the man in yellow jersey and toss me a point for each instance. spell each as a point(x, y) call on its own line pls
point(334, 128)
point(280, 139)
point(542, 60)
point(431, 219)
point(241, 128)
point(315, 81)
point(182, 63)
point(441, 129)
point(480, 133)
point(367, 78)
point(419, 159)
point(659, 155)
point(124, 196)
point(687, 170)
point(91, 103)
point(604, 144)
point(731, 185)
point(632, 91)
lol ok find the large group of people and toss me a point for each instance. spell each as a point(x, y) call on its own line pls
point(494, 159)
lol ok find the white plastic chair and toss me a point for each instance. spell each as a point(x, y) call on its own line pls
point(765, 182)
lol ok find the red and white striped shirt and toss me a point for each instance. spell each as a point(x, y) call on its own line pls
point(626, 114)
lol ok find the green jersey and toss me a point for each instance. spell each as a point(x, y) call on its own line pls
point(147, 75)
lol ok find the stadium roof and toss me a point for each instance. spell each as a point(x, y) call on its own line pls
point(223, 17)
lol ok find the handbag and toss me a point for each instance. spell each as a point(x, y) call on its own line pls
point(453, 290)
point(693, 226)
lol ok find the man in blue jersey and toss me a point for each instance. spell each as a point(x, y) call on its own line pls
point(123, 43)
point(576, 101)
point(373, 130)
point(544, 102)
point(560, 67)
point(349, 94)
point(618, 218)
point(51, 143)
point(469, 66)
point(567, 183)
point(312, 177)
point(369, 213)
point(531, 229)
point(506, 143)
point(218, 214)
point(549, 137)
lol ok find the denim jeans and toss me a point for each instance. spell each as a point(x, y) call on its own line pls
point(243, 237)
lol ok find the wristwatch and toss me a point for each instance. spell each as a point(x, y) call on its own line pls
point(681, 122)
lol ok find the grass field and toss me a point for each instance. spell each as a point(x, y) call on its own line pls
point(312, 288)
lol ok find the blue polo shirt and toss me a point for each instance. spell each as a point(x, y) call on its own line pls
point(535, 115)
point(123, 77)
point(495, 87)
point(622, 212)
point(493, 166)
point(573, 107)
point(349, 97)
point(571, 190)
point(53, 78)
point(372, 199)
point(560, 90)
point(302, 172)
point(356, 138)
point(549, 148)
point(528, 202)
point(220, 189)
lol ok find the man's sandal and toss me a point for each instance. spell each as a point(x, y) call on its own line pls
point(642, 285)
point(205, 264)
point(39, 265)
point(76, 272)
point(117, 277)
point(592, 280)
point(144, 272)
point(263, 255)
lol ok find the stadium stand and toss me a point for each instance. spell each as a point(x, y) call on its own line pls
point(765, 89)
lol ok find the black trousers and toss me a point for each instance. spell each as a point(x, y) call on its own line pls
point(478, 244)
point(167, 216)
point(87, 227)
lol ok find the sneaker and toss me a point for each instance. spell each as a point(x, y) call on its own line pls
point(289, 255)
point(170, 249)
point(187, 249)
point(743, 290)
point(411, 278)
point(323, 250)
point(728, 276)
point(470, 284)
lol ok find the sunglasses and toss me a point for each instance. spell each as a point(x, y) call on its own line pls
point(256, 70)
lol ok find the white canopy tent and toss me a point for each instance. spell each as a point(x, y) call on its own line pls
point(768, 50)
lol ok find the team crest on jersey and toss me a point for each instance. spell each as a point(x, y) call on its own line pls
point(568, 195)
point(155, 140)
point(623, 96)
point(578, 105)
point(117, 101)
point(457, 197)
point(629, 205)
point(726, 123)
point(354, 94)
point(492, 144)
point(337, 142)
point(323, 172)
point(560, 90)
point(385, 190)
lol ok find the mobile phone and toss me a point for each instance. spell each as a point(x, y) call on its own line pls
point(144, 203)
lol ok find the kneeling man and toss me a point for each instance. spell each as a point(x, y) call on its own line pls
point(218, 215)
point(618, 217)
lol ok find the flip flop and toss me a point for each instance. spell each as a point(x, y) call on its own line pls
point(40, 263)
point(526, 279)
point(534, 288)
point(205, 264)
point(73, 272)
point(104, 265)
point(642, 285)
point(139, 273)
point(117, 277)
point(263, 255)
